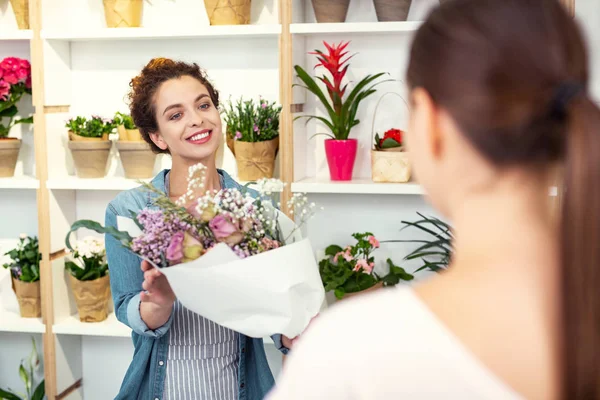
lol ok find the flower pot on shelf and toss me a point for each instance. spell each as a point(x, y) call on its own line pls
point(341, 155)
point(390, 166)
point(137, 158)
point(228, 12)
point(123, 13)
point(129, 135)
point(9, 153)
point(90, 155)
point(21, 10)
point(255, 160)
point(392, 10)
point(373, 288)
point(92, 298)
point(29, 298)
point(330, 10)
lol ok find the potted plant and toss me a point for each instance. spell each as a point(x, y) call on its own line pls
point(21, 11)
point(389, 160)
point(137, 157)
point(330, 10)
point(15, 82)
point(392, 10)
point(253, 137)
point(89, 279)
point(351, 270)
point(123, 13)
point(89, 145)
point(26, 373)
point(25, 274)
point(228, 12)
point(341, 108)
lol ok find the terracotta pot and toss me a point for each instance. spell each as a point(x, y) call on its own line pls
point(341, 155)
point(21, 10)
point(392, 10)
point(75, 137)
point(330, 10)
point(390, 166)
point(255, 160)
point(137, 158)
point(129, 135)
point(92, 298)
point(90, 157)
point(228, 12)
point(9, 153)
point(29, 297)
point(123, 13)
point(371, 289)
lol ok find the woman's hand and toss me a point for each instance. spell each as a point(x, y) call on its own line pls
point(157, 299)
point(289, 343)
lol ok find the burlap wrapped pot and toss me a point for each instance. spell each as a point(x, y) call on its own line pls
point(255, 160)
point(92, 298)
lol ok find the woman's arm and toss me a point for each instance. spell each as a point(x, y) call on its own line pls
point(126, 283)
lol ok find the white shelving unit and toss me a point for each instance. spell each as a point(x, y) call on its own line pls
point(110, 327)
point(108, 183)
point(16, 34)
point(363, 28)
point(356, 186)
point(19, 182)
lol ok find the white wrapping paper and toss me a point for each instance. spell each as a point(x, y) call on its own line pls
point(278, 291)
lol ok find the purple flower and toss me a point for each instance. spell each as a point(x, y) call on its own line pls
point(264, 105)
point(255, 128)
point(269, 120)
point(175, 249)
point(238, 135)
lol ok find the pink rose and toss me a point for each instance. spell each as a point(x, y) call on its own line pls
point(269, 244)
point(374, 242)
point(225, 230)
point(11, 77)
point(4, 90)
point(192, 248)
point(175, 250)
point(246, 224)
point(364, 265)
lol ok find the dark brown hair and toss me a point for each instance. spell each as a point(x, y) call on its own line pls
point(513, 75)
point(145, 85)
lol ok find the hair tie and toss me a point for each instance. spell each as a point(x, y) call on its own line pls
point(563, 95)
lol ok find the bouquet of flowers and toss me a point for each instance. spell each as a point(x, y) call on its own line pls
point(352, 269)
point(229, 257)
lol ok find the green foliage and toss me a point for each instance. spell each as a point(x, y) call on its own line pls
point(248, 121)
point(342, 270)
point(124, 119)
point(25, 265)
point(95, 127)
point(26, 373)
point(122, 237)
point(91, 255)
point(8, 109)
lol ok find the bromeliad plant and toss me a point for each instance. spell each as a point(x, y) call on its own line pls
point(90, 260)
point(26, 257)
point(26, 373)
point(392, 139)
point(96, 127)
point(249, 121)
point(341, 109)
point(15, 82)
point(351, 269)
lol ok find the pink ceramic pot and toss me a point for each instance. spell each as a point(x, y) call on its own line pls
point(341, 155)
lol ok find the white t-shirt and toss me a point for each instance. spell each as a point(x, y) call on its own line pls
point(384, 345)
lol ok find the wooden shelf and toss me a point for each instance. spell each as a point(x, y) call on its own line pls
point(356, 186)
point(355, 27)
point(223, 31)
point(19, 182)
point(24, 34)
point(110, 327)
point(13, 322)
point(107, 183)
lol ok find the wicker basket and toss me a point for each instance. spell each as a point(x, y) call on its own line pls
point(228, 12)
point(390, 165)
point(123, 13)
point(21, 10)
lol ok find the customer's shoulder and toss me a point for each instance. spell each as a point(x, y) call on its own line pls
point(137, 198)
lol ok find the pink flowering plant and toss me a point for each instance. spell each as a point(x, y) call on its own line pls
point(250, 121)
point(15, 82)
point(352, 269)
point(175, 232)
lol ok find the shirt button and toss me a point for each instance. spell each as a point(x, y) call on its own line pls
point(242, 385)
point(243, 349)
point(161, 363)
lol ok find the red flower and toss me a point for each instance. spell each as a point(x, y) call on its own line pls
point(10, 77)
point(4, 90)
point(335, 65)
point(22, 74)
point(10, 64)
point(394, 134)
point(28, 82)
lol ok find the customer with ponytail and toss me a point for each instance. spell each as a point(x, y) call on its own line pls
point(500, 112)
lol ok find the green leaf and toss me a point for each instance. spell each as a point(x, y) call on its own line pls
point(339, 293)
point(40, 391)
point(333, 250)
point(323, 134)
point(9, 112)
point(8, 395)
point(28, 120)
point(312, 86)
point(311, 117)
point(123, 237)
point(412, 256)
point(390, 143)
point(25, 378)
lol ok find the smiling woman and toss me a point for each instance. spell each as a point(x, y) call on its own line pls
point(178, 354)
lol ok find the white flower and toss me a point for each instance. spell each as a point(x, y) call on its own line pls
point(268, 186)
point(23, 236)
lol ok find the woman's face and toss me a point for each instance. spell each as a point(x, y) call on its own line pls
point(189, 124)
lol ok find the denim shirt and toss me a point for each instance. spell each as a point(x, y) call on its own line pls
point(145, 376)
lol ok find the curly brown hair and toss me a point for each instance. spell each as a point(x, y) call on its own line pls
point(145, 85)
